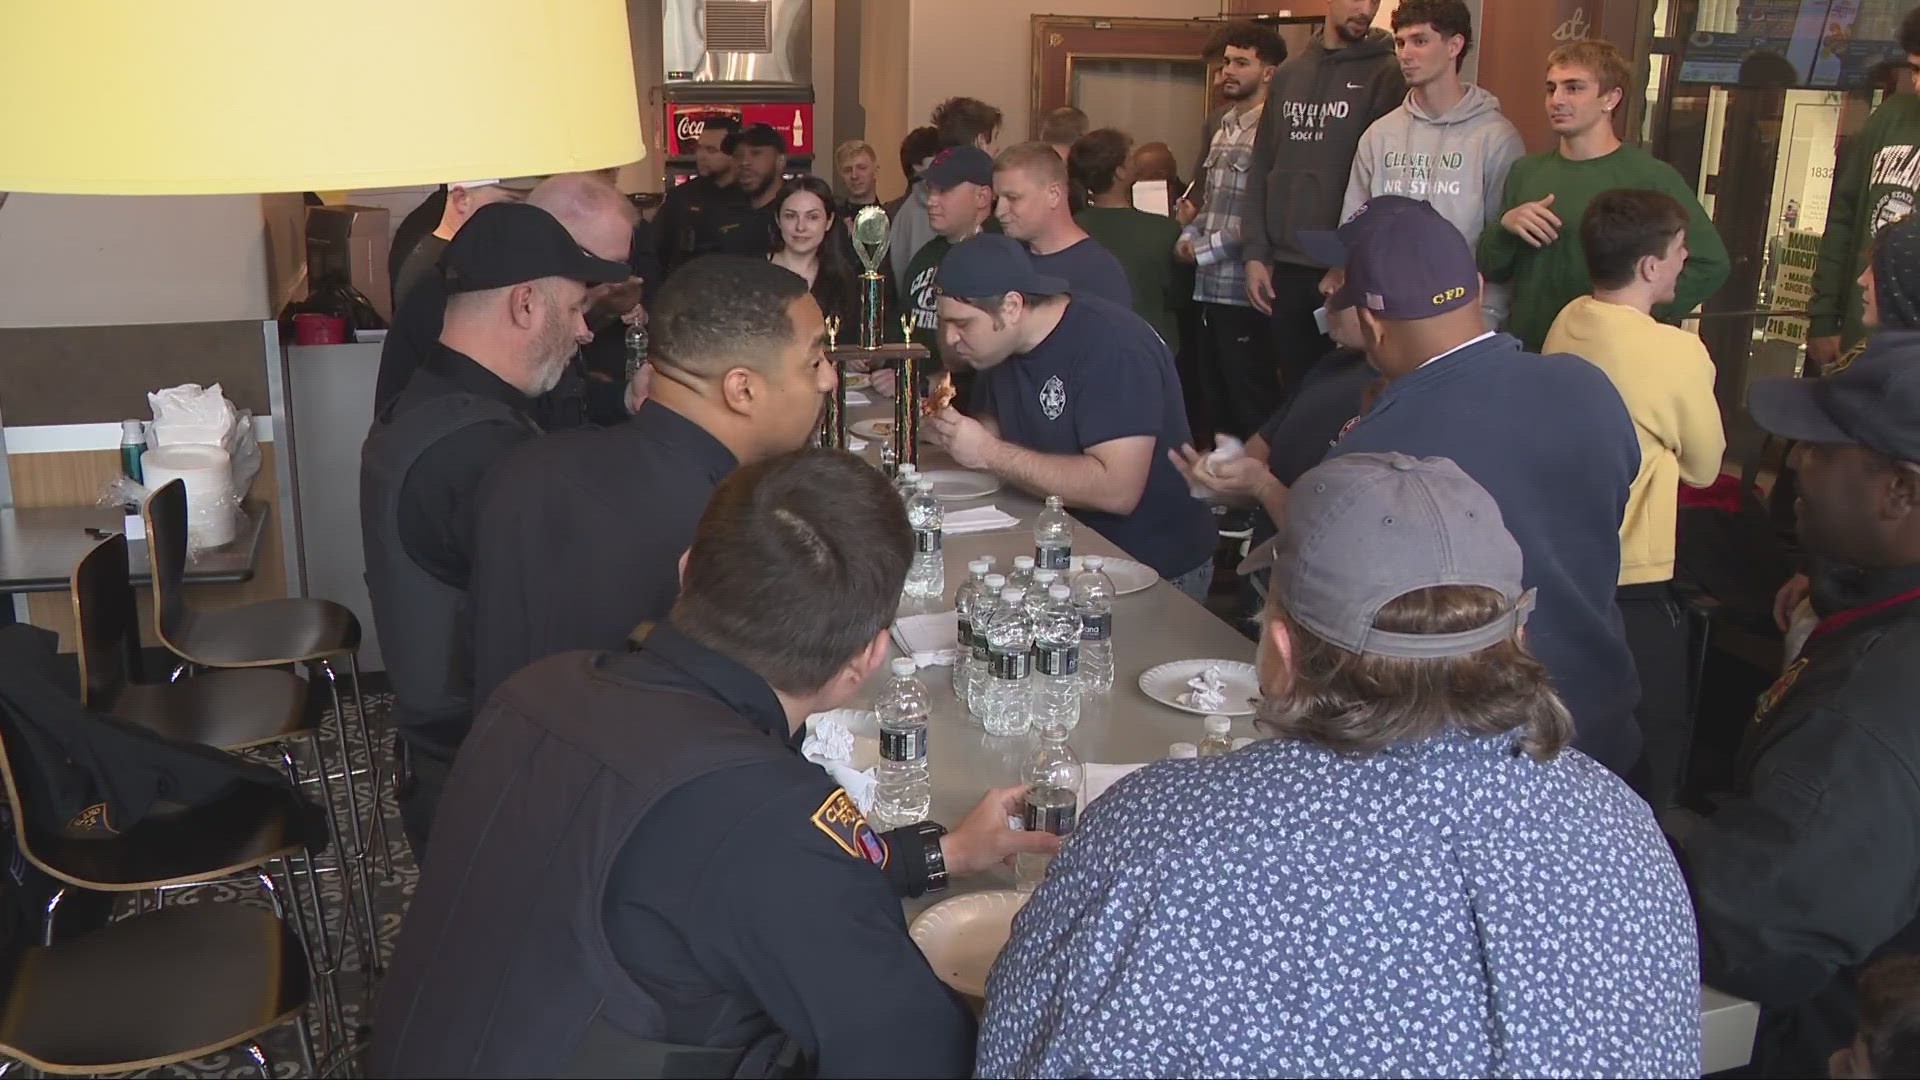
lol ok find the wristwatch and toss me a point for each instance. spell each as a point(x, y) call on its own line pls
point(934, 867)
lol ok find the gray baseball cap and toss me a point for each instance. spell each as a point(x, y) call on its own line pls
point(1366, 529)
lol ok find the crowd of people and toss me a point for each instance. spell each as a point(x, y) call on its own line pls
point(1436, 383)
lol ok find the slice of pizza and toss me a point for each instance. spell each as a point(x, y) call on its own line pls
point(939, 394)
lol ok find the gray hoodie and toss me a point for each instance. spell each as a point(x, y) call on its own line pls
point(909, 231)
point(1458, 162)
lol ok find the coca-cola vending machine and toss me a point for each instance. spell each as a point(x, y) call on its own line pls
point(746, 59)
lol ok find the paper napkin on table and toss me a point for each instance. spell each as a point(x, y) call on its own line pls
point(830, 745)
point(978, 519)
point(930, 639)
point(856, 398)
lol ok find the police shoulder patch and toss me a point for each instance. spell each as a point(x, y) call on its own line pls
point(848, 829)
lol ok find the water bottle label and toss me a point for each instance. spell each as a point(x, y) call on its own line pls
point(1059, 558)
point(966, 634)
point(903, 745)
point(1012, 665)
point(925, 540)
point(1057, 818)
point(1096, 627)
point(1059, 660)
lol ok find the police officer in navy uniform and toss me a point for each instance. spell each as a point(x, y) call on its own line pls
point(518, 281)
point(636, 874)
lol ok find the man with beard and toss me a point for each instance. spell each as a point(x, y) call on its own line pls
point(1235, 344)
point(743, 222)
point(686, 204)
point(518, 282)
point(1320, 104)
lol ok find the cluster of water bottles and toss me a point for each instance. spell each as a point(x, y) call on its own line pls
point(1031, 644)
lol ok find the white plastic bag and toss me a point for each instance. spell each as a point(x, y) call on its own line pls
point(191, 413)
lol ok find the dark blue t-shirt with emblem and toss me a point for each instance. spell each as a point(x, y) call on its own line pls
point(1089, 269)
point(1103, 374)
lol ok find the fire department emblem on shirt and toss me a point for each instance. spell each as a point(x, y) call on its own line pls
point(1053, 398)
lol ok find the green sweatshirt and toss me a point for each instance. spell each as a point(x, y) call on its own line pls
point(1545, 279)
point(1143, 243)
point(1875, 186)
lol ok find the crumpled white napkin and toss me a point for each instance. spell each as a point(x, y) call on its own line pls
point(829, 744)
point(977, 519)
point(932, 640)
point(1226, 448)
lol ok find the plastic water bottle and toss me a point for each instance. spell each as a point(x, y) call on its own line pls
point(986, 606)
point(1093, 599)
point(1022, 576)
point(1037, 593)
point(1219, 738)
point(964, 599)
point(1053, 537)
point(1055, 780)
point(927, 577)
point(1056, 654)
point(1010, 642)
point(906, 479)
point(902, 794)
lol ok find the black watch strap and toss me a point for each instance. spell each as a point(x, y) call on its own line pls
point(933, 859)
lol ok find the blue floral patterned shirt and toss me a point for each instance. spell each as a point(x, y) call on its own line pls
point(1442, 908)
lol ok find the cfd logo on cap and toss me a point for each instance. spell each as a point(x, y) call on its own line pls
point(1449, 295)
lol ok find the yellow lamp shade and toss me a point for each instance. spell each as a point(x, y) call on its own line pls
point(137, 97)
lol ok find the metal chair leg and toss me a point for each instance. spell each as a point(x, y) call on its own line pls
point(326, 986)
point(46, 920)
point(259, 1056)
point(373, 763)
point(360, 838)
point(367, 931)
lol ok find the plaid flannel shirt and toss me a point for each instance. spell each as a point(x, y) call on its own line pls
point(1222, 275)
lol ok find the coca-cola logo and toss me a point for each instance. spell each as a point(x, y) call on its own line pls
point(689, 127)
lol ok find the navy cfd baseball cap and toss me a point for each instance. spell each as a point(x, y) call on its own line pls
point(991, 264)
point(1873, 402)
point(1403, 260)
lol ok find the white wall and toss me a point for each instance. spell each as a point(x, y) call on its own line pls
point(98, 260)
point(984, 49)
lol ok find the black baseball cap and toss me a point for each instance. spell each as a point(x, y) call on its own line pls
point(959, 165)
point(1873, 402)
point(991, 264)
point(755, 135)
point(1403, 260)
point(507, 243)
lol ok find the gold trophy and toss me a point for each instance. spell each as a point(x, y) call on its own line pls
point(871, 236)
point(831, 433)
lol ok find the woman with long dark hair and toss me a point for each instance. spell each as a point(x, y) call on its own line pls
point(812, 243)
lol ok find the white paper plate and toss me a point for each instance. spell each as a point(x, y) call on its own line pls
point(1239, 682)
point(963, 934)
point(857, 380)
point(959, 485)
point(872, 429)
point(1128, 576)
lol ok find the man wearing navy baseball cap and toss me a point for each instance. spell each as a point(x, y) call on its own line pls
point(1077, 397)
point(1810, 866)
point(1548, 436)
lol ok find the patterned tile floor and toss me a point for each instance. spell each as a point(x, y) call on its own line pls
point(389, 904)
